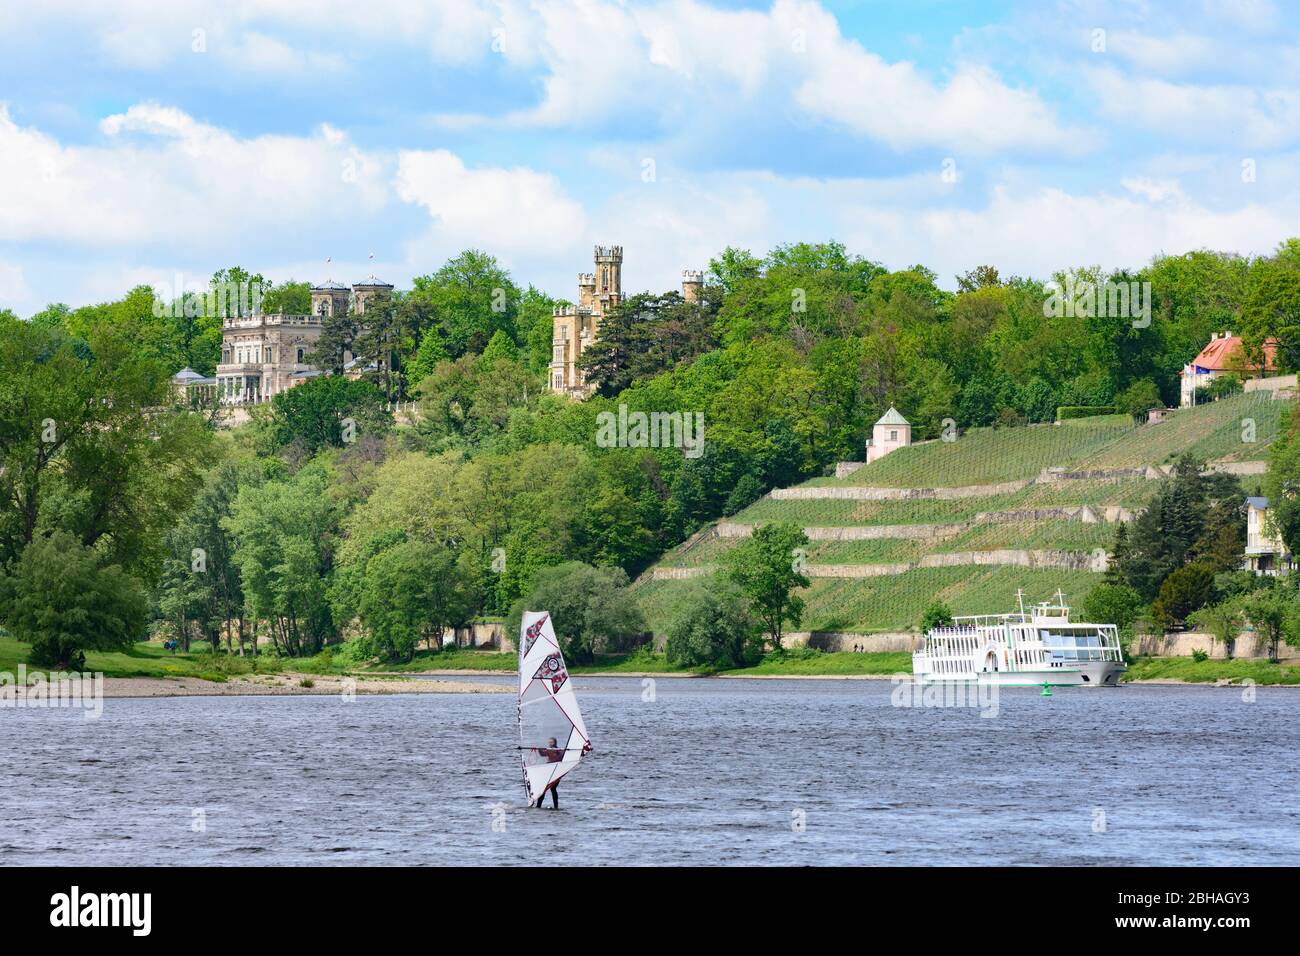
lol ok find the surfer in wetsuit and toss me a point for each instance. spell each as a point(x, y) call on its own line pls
point(551, 753)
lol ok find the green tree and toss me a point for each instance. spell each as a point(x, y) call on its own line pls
point(428, 356)
point(337, 340)
point(1272, 312)
point(200, 585)
point(473, 297)
point(62, 600)
point(768, 569)
point(317, 412)
point(388, 332)
point(1222, 620)
point(1269, 611)
point(644, 335)
point(87, 446)
point(413, 591)
point(1282, 481)
point(1139, 398)
point(283, 534)
point(938, 614)
point(590, 608)
point(290, 298)
point(1187, 589)
point(715, 629)
point(1113, 603)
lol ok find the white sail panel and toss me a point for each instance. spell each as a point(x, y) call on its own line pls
point(552, 736)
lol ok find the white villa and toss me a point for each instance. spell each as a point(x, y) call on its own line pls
point(1266, 552)
point(890, 433)
point(1220, 356)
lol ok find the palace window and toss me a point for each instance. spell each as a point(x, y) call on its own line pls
point(300, 356)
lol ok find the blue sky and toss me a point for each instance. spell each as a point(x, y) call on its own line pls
point(157, 141)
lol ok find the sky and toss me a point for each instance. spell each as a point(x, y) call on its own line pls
point(156, 141)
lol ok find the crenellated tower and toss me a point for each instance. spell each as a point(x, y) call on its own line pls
point(575, 327)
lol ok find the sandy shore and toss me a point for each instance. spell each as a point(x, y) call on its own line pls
point(286, 684)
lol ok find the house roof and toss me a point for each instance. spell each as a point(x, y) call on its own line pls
point(187, 374)
point(329, 285)
point(1259, 504)
point(1217, 354)
point(892, 417)
point(373, 282)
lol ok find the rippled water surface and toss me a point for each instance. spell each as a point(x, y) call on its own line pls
point(709, 771)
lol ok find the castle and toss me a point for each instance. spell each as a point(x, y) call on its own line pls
point(575, 327)
point(263, 355)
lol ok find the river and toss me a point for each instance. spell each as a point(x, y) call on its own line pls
point(707, 771)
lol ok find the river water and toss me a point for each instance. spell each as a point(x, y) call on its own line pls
point(720, 771)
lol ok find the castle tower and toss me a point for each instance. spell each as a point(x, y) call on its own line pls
point(586, 290)
point(564, 347)
point(692, 285)
point(609, 275)
point(363, 293)
point(329, 298)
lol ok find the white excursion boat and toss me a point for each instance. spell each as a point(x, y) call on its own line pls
point(1040, 647)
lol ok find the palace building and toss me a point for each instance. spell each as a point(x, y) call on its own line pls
point(263, 355)
point(575, 327)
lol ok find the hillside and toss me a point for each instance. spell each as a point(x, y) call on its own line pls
point(988, 455)
point(916, 526)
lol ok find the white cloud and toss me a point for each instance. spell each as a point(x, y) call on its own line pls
point(161, 176)
point(1153, 190)
point(682, 63)
point(1020, 227)
point(514, 211)
point(1175, 53)
point(14, 291)
point(155, 34)
point(1221, 114)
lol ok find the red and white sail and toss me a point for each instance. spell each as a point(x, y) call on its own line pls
point(552, 736)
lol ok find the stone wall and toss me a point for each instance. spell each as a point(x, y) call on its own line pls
point(865, 493)
point(842, 641)
point(1023, 558)
point(484, 634)
point(1181, 644)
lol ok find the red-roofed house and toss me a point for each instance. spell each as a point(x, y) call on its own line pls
point(1218, 357)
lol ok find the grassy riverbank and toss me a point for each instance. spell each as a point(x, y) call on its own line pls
point(151, 660)
point(1209, 671)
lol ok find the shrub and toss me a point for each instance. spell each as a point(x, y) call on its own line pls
point(1223, 386)
point(1186, 590)
point(1200, 656)
point(747, 491)
point(59, 599)
point(715, 629)
point(1139, 398)
point(591, 610)
point(937, 614)
point(1116, 604)
point(1067, 412)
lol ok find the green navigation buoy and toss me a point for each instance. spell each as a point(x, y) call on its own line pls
point(1047, 691)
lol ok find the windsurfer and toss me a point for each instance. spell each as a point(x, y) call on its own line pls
point(551, 753)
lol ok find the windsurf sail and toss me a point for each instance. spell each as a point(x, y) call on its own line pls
point(552, 737)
